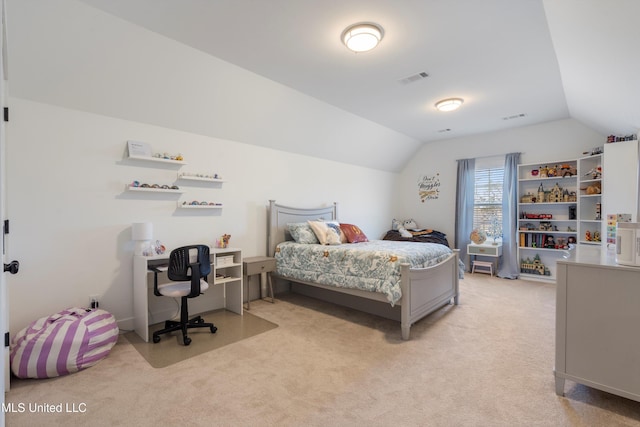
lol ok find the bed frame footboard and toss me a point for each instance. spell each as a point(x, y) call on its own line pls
point(425, 290)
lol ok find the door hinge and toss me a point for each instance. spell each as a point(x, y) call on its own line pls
point(6, 114)
point(6, 339)
point(5, 229)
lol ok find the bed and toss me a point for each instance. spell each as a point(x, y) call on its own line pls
point(419, 290)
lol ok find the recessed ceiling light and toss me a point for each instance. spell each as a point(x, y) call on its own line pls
point(362, 37)
point(449, 104)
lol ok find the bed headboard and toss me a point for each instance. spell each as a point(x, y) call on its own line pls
point(279, 216)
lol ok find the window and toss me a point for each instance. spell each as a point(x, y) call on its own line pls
point(487, 211)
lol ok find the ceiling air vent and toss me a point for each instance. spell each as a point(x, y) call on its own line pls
point(515, 116)
point(413, 78)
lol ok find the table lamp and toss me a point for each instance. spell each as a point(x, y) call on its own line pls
point(141, 233)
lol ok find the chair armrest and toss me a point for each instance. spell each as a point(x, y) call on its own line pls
point(155, 270)
point(195, 280)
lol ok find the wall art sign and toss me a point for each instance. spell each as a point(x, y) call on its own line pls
point(429, 187)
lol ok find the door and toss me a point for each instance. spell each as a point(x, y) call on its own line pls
point(4, 306)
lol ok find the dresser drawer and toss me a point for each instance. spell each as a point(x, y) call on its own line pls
point(256, 265)
point(484, 250)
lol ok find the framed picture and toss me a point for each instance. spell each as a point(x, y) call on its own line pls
point(139, 149)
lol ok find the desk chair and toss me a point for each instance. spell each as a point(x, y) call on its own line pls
point(188, 281)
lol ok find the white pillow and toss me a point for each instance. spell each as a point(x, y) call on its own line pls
point(327, 232)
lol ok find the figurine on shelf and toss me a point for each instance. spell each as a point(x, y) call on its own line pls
point(550, 243)
point(159, 248)
point(540, 198)
point(224, 241)
point(567, 170)
point(587, 236)
point(544, 172)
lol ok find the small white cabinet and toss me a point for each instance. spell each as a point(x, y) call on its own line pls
point(597, 320)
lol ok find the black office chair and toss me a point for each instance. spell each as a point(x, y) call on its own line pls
point(188, 281)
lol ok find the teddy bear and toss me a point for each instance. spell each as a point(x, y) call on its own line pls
point(594, 188)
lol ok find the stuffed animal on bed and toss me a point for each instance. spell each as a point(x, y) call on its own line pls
point(407, 224)
point(410, 224)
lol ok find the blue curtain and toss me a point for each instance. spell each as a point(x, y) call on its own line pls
point(465, 191)
point(510, 267)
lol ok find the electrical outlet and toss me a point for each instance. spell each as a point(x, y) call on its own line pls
point(93, 301)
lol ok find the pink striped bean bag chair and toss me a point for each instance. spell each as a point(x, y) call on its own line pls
point(63, 343)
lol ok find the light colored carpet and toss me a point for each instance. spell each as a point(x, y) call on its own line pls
point(231, 328)
point(487, 362)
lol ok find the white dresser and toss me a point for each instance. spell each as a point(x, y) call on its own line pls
point(597, 321)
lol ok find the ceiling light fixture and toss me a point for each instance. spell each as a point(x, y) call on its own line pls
point(449, 104)
point(362, 37)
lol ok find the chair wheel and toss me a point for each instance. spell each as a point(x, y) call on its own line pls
point(187, 340)
point(213, 329)
point(156, 339)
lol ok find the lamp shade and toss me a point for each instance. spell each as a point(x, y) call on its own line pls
point(141, 231)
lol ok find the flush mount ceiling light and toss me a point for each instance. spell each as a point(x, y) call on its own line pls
point(362, 37)
point(449, 104)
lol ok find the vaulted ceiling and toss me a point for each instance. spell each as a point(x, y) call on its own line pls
point(514, 62)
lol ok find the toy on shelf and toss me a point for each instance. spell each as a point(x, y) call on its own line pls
point(566, 170)
point(168, 156)
point(534, 266)
point(223, 242)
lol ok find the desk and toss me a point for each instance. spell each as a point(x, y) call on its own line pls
point(225, 289)
point(485, 249)
point(263, 266)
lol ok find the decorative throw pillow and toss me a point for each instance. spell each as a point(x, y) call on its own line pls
point(302, 233)
point(353, 233)
point(327, 232)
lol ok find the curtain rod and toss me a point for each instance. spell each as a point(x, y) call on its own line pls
point(493, 155)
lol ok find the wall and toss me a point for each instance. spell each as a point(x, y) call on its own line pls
point(69, 54)
point(82, 83)
point(553, 141)
point(71, 217)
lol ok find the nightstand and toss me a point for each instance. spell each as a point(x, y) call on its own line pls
point(262, 265)
point(488, 250)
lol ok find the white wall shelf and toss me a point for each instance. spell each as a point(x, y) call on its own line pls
point(187, 206)
point(199, 178)
point(153, 190)
point(158, 160)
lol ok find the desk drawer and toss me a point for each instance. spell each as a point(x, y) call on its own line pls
point(265, 265)
point(484, 250)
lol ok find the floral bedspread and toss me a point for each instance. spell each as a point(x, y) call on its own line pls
point(372, 266)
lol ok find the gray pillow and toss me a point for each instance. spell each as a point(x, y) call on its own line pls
point(302, 233)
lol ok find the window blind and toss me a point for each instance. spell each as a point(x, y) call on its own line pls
point(488, 199)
